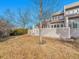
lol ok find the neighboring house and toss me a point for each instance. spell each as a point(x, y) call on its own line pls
point(65, 22)
point(57, 20)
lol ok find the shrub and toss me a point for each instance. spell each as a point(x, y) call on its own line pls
point(18, 32)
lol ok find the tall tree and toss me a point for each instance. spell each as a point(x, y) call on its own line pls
point(10, 17)
point(4, 28)
point(48, 7)
point(24, 17)
point(45, 8)
point(40, 22)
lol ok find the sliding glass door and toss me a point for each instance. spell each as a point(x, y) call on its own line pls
point(74, 23)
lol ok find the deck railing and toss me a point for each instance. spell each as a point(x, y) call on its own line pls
point(63, 32)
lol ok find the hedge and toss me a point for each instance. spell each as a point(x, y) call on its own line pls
point(18, 32)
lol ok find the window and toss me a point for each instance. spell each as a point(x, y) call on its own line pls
point(70, 25)
point(75, 11)
point(54, 26)
point(51, 26)
point(57, 25)
point(62, 25)
point(71, 12)
point(74, 25)
point(78, 11)
point(61, 17)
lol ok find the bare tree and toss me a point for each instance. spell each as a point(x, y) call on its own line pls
point(21, 18)
point(47, 6)
point(4, 28)
point(7, 22)
point(9, 16)
point(24, 18)
point(45, 11)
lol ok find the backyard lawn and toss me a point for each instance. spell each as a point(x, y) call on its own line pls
point(28, 47)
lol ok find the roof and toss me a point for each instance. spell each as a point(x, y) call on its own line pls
point(58, 13)
point(57, 22)
point(72, 5)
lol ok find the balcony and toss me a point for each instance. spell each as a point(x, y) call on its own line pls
point(61, 17)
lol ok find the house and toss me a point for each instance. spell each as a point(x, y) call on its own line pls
point(57, 20)
point(63, 24)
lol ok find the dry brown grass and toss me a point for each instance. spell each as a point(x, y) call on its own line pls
point(27, 47)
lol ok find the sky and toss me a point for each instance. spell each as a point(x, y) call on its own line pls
point(15, 4)
point(69, 1)
point(28, 4)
